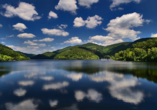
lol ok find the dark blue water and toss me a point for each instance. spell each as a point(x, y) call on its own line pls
point(78, 85)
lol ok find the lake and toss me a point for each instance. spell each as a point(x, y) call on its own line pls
point(78, 85)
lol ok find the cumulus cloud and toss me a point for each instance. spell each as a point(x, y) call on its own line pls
point(87, 3)
point(26, 83)
point(3, 42)
point(121, 27)
point(116, 3)
point(62, 26)
point(11, 35)
point(90, 23)
point(154, 35)
point(56, 32)
point(105, 39)
point(30, 42)
point(42, 45)
point(1, 25)
point(45, 40)
point(25, 11)
point(20, 92)
point(73, 40)
point(67, 5)
point(52, 15)
point(24, 105)
point(74, 77)
point(28, 49)
point(26, 35)
point(47, 78)
point(56, 85)
point(79, 22)
point(92, 95)
point(120, 87)
point(53, 103)
point(20, 27)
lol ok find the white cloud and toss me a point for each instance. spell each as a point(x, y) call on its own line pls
point(105, 39)
point(122, 27)
point(53, 103)
point(120, 87)
point(92, 95)
point(28, 49)
point(90, 23)
point(30, 42)
point(20, 27)
point(26, 83)
point(116, 3)
point(67, 5)
point(62, 26)
point(42, 45)
point(154, 35)
point(11, 35)
point(25, 11)
point(75, 77)
point(20, 92)
point(47, 78)
point(73, 40)
point(79, 22)
point(87, 3)
point(1, 25)
point(3, 42)
point(26, 35)
point(56, 32)
point(24, 105)
point(56, 85)
point(45, 40)
point(52, 15)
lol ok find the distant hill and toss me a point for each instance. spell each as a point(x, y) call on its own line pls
point(8, 54)
point(28, 55)
point(76, 53)
point(100, 51)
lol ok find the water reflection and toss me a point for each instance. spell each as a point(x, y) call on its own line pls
point(26, 83)
point(55, 86)
point(24, 105)
point(20, 92)
point(77, 85)
point(92, 95)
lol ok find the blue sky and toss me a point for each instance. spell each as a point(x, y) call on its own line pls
point(37, 26)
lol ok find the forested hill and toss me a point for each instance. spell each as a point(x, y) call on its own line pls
point(8, 54)
point(100, 51)
point(140, 51)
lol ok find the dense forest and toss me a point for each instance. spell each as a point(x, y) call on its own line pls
point(76, 53)
point(140, 51)
point(7, 54)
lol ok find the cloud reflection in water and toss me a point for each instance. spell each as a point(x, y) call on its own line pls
point(92, 95)
point(55, 86)
point(24, 105)
point(20, 92)
point(120, 87)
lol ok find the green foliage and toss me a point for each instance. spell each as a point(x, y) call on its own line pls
point(7, 54)
point(76, 53)
point(141, 51)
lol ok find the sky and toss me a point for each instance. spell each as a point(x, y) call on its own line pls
point(38, 26)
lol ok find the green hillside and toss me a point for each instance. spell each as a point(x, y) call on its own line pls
point(8, 54)
point(101, 51)
point(76, 53)
point(139, 51)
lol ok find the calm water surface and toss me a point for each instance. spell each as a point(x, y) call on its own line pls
point(78, 85)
